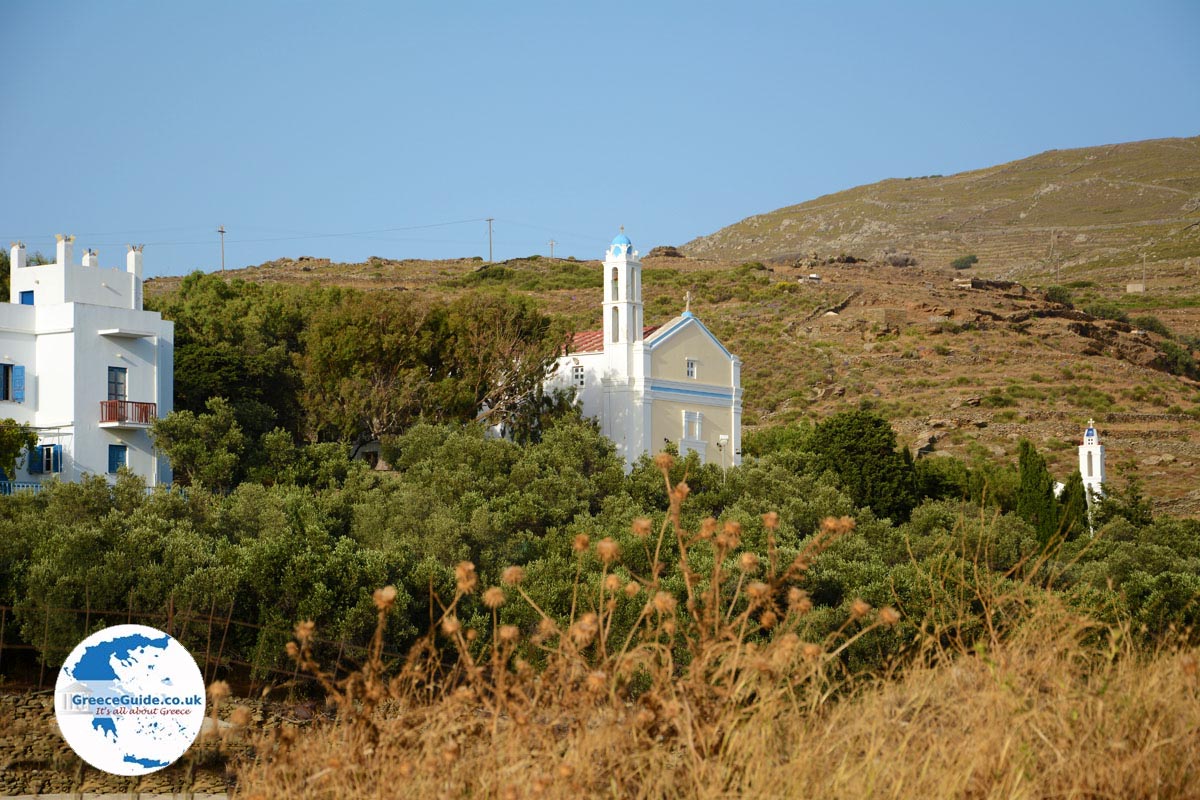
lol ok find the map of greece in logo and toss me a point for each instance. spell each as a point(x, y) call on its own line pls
point(129, 700)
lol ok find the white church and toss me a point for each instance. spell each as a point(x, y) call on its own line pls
point(648, 386)
point(85, 366)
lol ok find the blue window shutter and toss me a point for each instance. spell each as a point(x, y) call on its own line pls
point(116, 457)
point(56, 459)
point(27, 298)
point(35, 460)
point(18, 384)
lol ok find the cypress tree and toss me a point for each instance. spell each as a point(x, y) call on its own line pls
point(1074, 507)
point(1035, 492)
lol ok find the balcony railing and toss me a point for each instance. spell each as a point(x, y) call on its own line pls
point(9, 488)
point(127, 412)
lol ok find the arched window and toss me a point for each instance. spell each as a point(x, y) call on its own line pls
point(614, 283)
point(616, 321)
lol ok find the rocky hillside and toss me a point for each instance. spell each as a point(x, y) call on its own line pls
point(1063, 213)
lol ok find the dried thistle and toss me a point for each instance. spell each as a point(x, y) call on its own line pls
point(465, 577)
point(509, 633)
point(596, 681)
point(631, 589)
point(493, 598)
point(811, 651)
point(612, 583)
point(748, 562)
point(451, 625)
point(770, 520)
point(708, 526)
point(546, 629)
point(608, 550)
point(664, 461)
point(385, 598)
point(240, 717)
point(304, 631)
point(758, 591)
point(641, 527)
point(218, 690)
point(585, 629)
point(837, 526)
point(860, 608)
point(663, 603)
point(580, 543)
point(889, 616)
point(512, 576)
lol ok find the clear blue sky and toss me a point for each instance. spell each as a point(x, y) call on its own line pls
point(154, 122)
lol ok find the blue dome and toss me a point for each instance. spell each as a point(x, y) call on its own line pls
point(621, 239)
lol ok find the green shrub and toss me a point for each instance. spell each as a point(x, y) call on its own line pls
point(1154, 325)
point(1179, 360)
point(965, 262)
point(1107, 311)
point(1060, 295)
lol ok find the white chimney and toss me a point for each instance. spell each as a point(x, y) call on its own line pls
point(90, 259)
point(133, 265)
point(63, 256)
point(17, 256)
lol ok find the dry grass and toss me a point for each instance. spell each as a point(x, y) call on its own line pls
point(729, 694)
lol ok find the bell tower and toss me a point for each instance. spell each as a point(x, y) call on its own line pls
point(1091, 462)
point(622, 303)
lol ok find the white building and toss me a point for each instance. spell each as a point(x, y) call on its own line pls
point(1091, 463)
point(84, 366)
point(649, 385)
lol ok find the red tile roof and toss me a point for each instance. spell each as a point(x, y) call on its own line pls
point(592, 341)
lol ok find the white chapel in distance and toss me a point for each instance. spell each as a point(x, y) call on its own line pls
point(650, 385)
point(84, 366)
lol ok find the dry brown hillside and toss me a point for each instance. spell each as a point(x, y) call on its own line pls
point(1073, 211)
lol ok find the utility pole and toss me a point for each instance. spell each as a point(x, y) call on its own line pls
point(489, 222)
point(1053, 262)
point(221, 230)
point(552, 243)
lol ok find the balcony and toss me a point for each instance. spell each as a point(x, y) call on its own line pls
point(127, 414)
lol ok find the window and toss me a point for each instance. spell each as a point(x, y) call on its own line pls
point(1089, 455)
point(117, 454)
point(27, 297)
point(692, 425)
point(614, 283)
point(45, 458)
point(691, 367)
point(116, 383)
point(577, 377)
point(12, 383)
point(616, 323)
